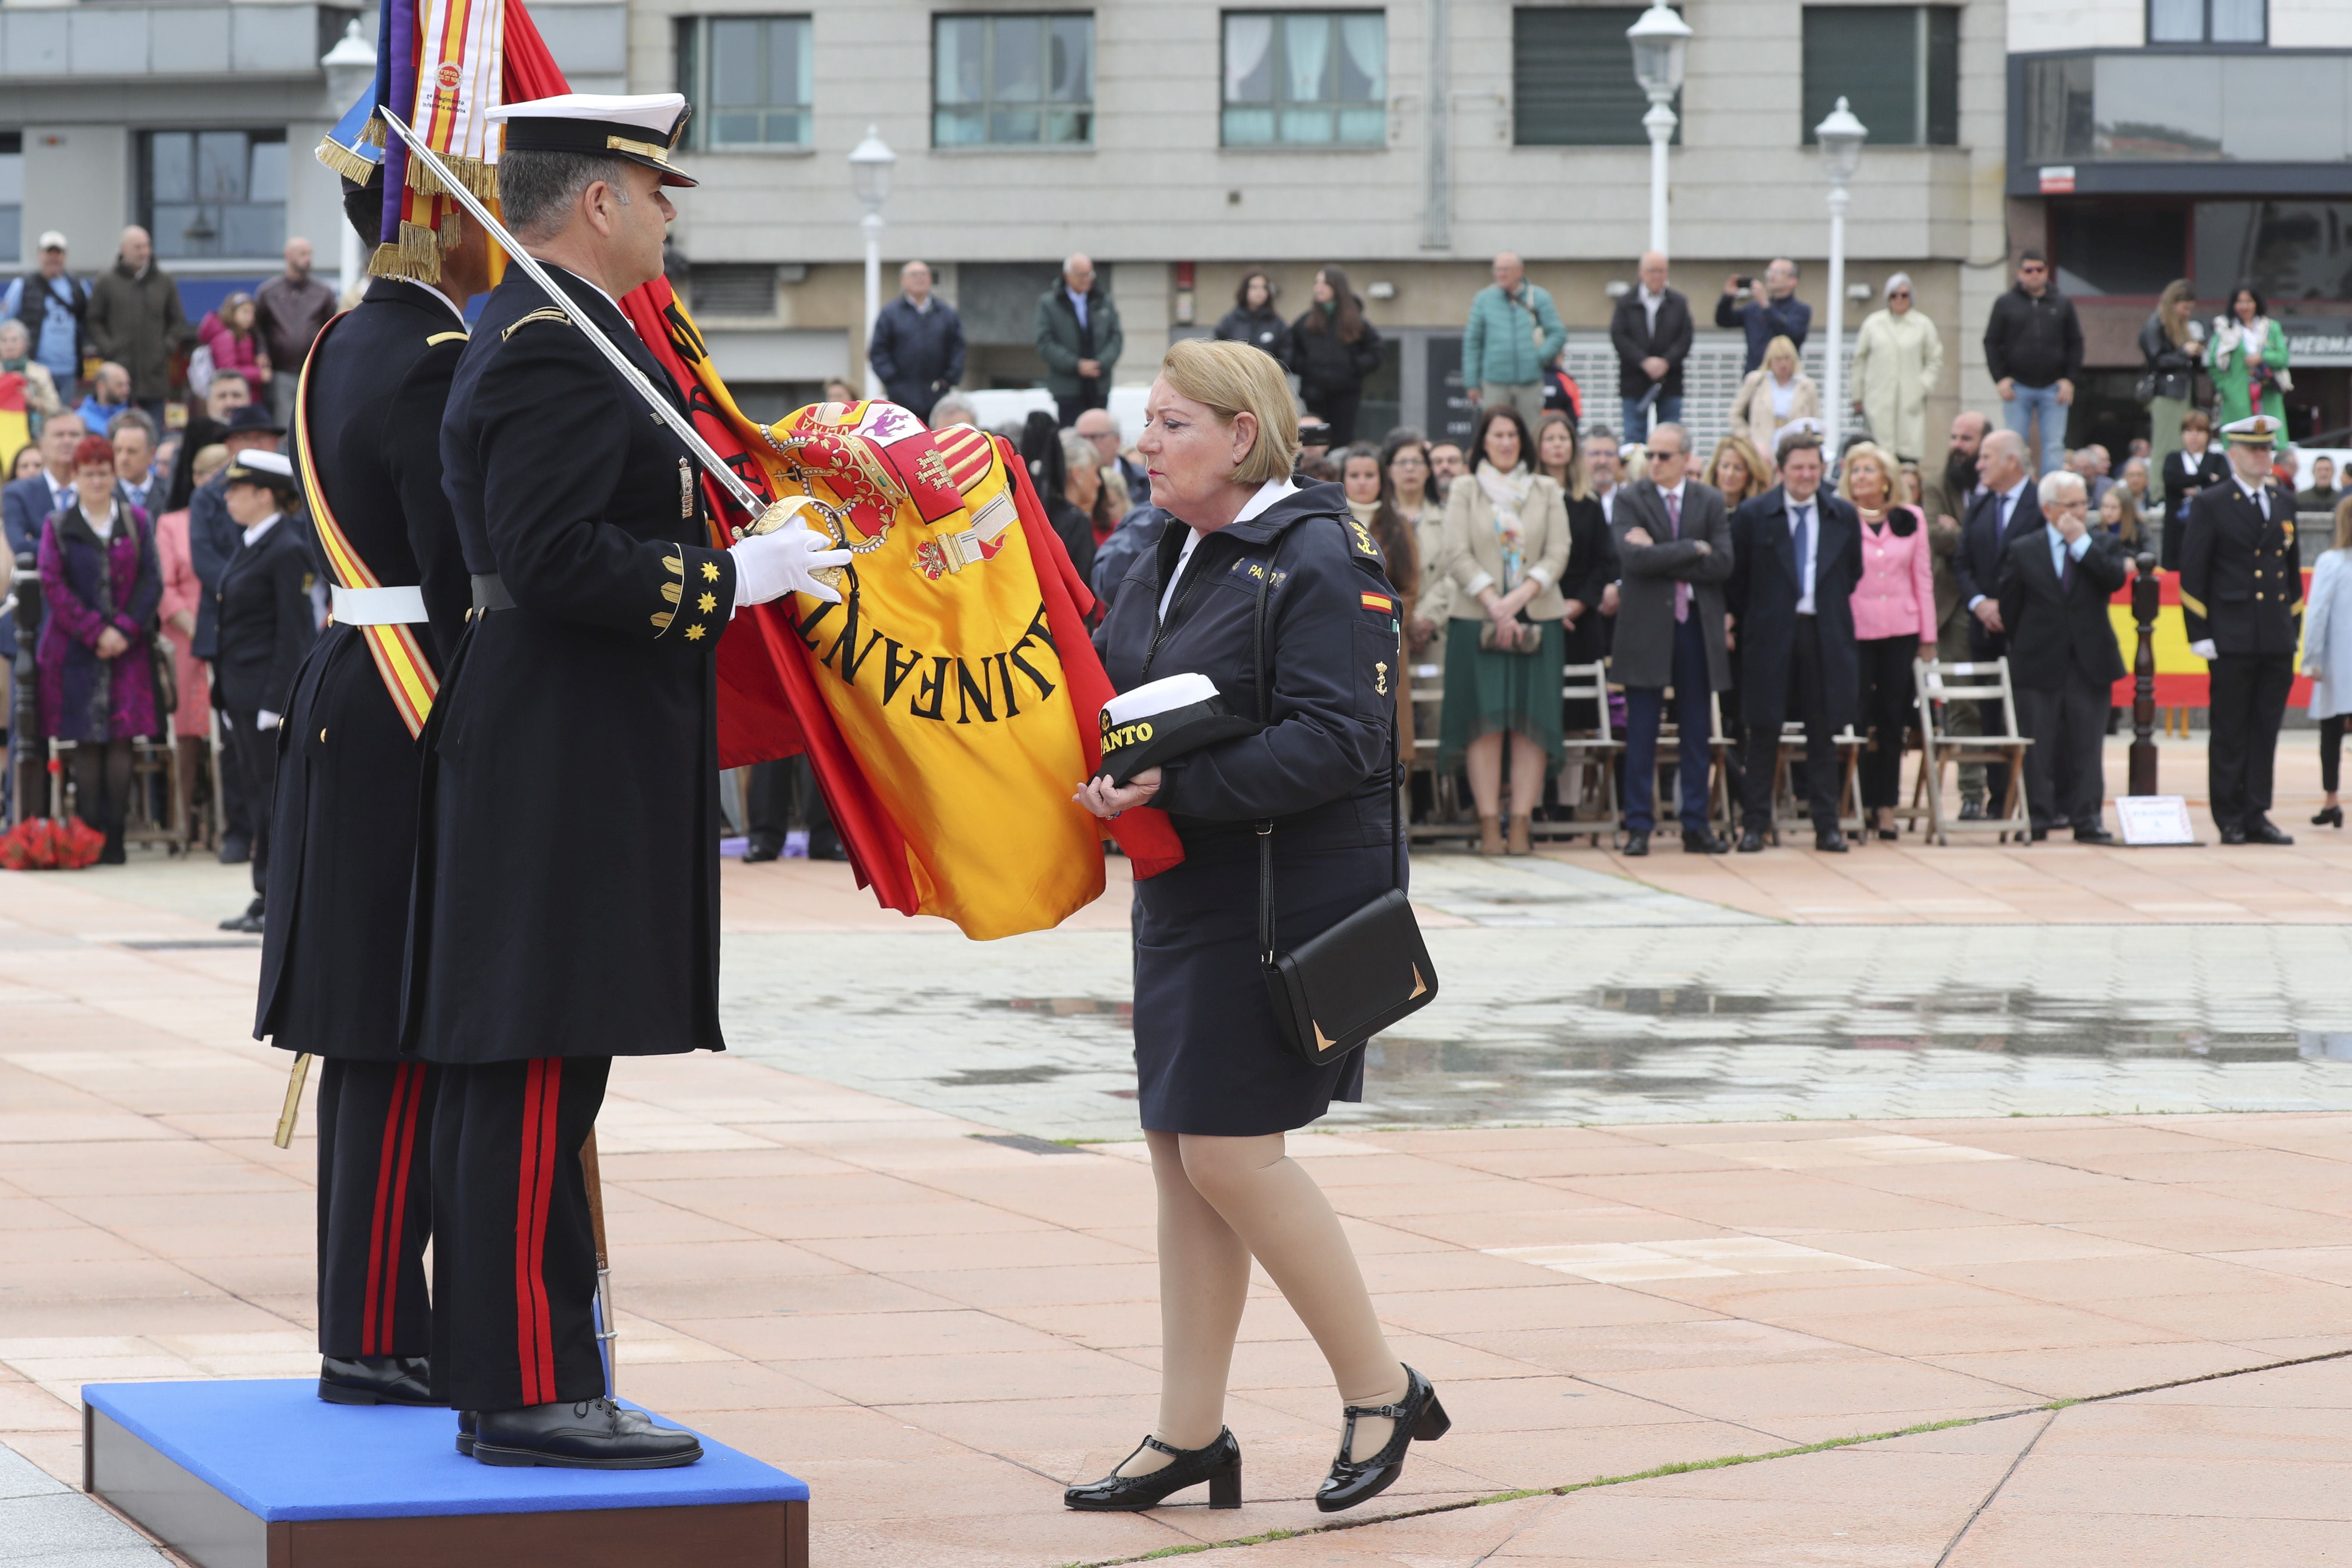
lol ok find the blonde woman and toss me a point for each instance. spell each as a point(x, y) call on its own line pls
point(1893, 614)
point(2172, 345)
point(1506, 549)
point(1773, 396)
point(1218, 1088)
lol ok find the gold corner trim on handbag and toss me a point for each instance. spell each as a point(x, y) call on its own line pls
point(1420, 986)
point(1323, 1042)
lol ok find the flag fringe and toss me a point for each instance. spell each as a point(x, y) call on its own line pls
point(351, 165)
point(415, 255)
point(479, 177)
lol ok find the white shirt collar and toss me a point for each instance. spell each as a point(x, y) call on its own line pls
point(1813, 501)
point(1675, 490)
point(253, 535)
point(2015, 490)
point(2254, 490)
point(1267, 494)
point(438, 297)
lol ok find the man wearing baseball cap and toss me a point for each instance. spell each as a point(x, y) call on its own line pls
point(53, 306)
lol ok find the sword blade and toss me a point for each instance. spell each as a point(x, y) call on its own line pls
point(668, 412)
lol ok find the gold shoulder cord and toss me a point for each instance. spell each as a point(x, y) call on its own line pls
point(544, 313)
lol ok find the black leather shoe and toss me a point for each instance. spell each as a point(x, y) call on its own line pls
point(1417, 1414)
point(1971, 811)
point(1751, 842)
point(2234, 834)
point(588, 1434)
point(2041, 834)
point(235, 851)
point(1636, 844)
point(760, 850)
point(466, 1422)
point(376, 1380)
point(249, 921)
point(2329, 817)
point(1219, 1463)
point(2094, 836)
point(1705, 841)
point(1830, 842)
point(2262, 830)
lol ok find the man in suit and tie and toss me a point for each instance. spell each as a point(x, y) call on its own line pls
point(1796, 558)
point(2053, 589)
point(1674, 541)
point(134, 437)
point(2006, 509)
point(2241, 600)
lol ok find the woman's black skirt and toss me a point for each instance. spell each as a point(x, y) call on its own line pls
point(1208, 1055)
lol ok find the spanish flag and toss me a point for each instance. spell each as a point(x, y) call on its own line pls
point(15, 424)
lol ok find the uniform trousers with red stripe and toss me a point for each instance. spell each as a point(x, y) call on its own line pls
point(514, 1252)
point(375, 1207)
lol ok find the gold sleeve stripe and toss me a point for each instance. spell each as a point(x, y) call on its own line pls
point(2195, 606)
point(544, 313)
point(437, 339)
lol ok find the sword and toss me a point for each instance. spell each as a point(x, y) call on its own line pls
point(767, 517)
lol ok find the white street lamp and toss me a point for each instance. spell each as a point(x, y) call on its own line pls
point(869, 176)
point(350, 72)
point(1661, 39)
point(1841, 137)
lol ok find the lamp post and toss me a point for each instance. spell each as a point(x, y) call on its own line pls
point(1841, 137)
point(350, 72)
point(869, 176)
point(1661, 39)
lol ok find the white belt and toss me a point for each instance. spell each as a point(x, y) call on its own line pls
point(379, 606)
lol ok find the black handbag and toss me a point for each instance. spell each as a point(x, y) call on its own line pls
point(1340, 988)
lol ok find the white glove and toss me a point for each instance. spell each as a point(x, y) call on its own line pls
point(2203, 648)
point(769, 565)
point(264, 720)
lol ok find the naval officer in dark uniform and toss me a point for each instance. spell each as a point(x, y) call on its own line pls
point(343, 837)
point(2241, 598)
point(267, 624)
point(566, 902)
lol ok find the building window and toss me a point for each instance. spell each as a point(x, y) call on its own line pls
point(1013, 80)
point(2127, 248)
point(213, 192)
point(1572, 77)
point(1897, 67)
point(2208, 21)
point(1306, 79)
point(748, 77)
point(12, 193)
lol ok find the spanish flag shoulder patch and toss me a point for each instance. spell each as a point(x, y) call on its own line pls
point(1380, 602)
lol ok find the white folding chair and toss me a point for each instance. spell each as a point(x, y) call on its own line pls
point(1981, 681)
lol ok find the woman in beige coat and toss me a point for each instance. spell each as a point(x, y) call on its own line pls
point(1898, 358)
point(1772, 397)
point(1506, 549)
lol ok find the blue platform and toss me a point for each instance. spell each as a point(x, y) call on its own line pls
point(277, 1450)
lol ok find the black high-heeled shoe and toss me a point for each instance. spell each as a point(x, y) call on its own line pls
point(1219, 1463)
point(1417, 1415)
point(2329, 817)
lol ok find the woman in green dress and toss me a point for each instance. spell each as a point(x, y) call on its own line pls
point(2249, 363)
point(1506, 549)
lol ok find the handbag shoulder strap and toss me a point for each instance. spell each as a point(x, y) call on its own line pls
point(1267, 951)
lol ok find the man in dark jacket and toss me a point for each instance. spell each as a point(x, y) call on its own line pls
point(267, 624)
point(135, 320)
point(287, 312)
point(1796, 558)
point(2033, 352)
point(1674, 544)
point(1078, 337)
point(1650, 329)
point(2055, 584)
point(917, 344)
point(1771, 310)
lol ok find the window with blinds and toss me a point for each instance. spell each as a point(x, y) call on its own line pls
point(1572, 77)
point(1897, 67)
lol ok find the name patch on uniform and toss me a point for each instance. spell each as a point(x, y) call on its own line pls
point(1253, 568)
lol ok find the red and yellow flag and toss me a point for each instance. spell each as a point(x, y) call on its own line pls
point(15, 424)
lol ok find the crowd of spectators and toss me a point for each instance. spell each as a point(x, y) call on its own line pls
point(122, 532)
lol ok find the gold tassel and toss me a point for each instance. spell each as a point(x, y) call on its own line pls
point(373, 132)
point(359, 171)
point(415, 255)
point(476, 176)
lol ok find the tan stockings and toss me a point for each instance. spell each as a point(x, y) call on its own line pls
point(1221, 1201)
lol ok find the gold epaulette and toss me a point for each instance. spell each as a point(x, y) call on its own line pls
point(544, 313)
point(437, 339)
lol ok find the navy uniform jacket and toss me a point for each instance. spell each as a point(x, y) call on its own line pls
point(2053, 627)
point(1332, 640)
point(1763, 593)
point(2240, 575)
point(343, 839)
point(567, 859)
point(267, 621)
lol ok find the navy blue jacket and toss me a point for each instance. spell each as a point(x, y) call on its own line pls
point(1318, 770)
point(24, 505)
point(1976, 565)
point(1763, 593)
point(1138, 534)
point(918, 355)
point(212, 539)
point(1790, 317)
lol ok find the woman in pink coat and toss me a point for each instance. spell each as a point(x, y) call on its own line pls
point(191, 721)
point(1894, 614)
point(236, 344)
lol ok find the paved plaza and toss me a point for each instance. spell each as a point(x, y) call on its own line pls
point(2042, 1157)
